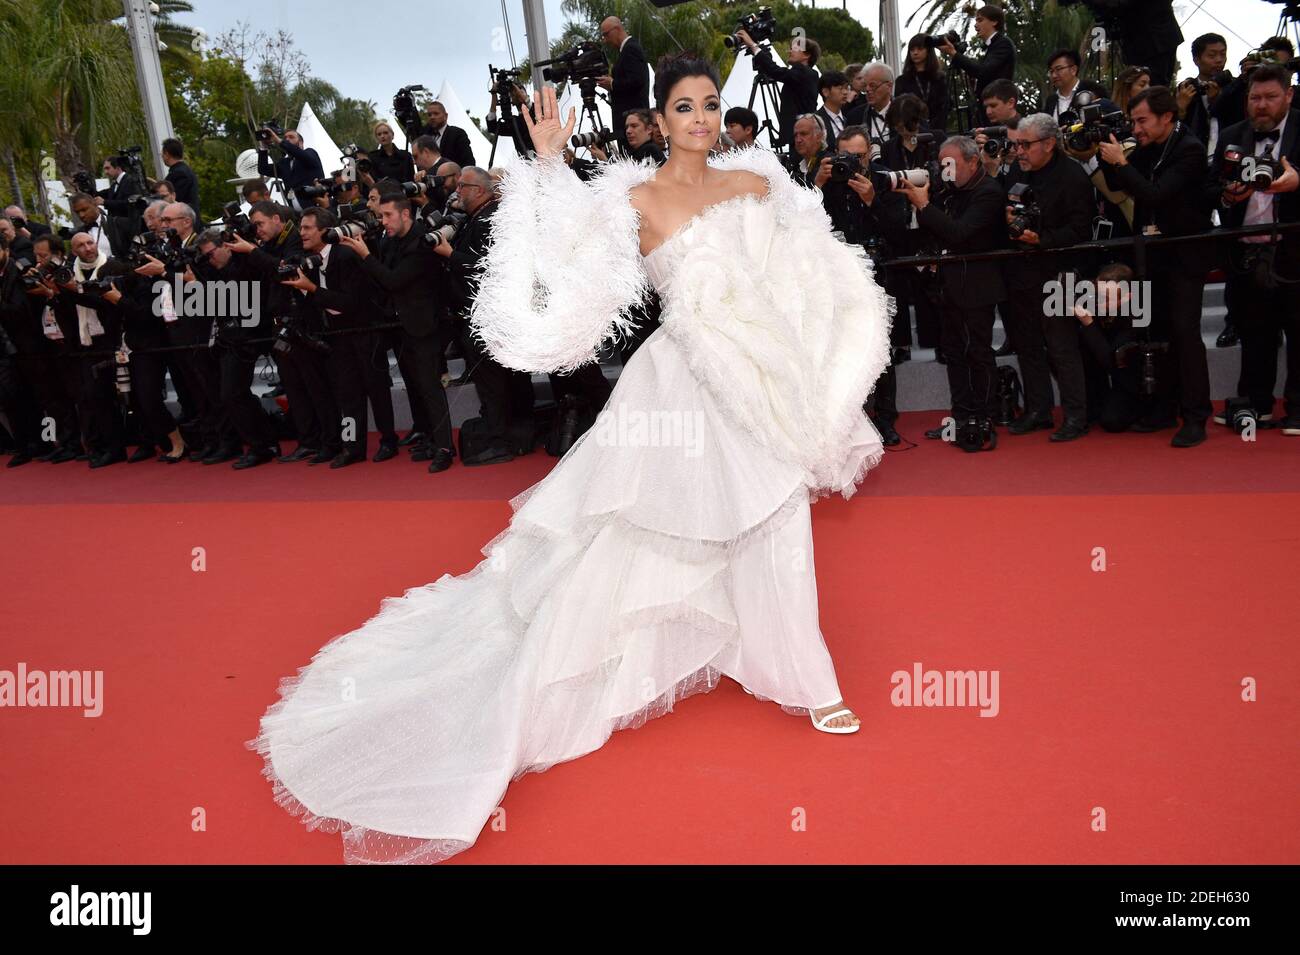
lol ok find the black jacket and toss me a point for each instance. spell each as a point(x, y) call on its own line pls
point(998, 63)
point(631, 86)
point(1063, 191)
point(278, 300)
point(400, 166)
point(932, 91)
point(468, 248)
point(119, 229)
point(243, 269)
point(297, 167)
point(186, 184)
point(1287, 204)
point(408, 271)
point(798, 90)
point(1168, 184)
point(649, 150)
point(973, 220)
point(16, 312)
point(453, 145)
point(350, 292)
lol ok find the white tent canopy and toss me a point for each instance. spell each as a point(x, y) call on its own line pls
point(314, 136)
point(736, 90)
point(482, 148)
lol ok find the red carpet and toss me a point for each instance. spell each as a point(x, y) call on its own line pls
point(1119, 690)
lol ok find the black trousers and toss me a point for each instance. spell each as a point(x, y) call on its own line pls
point(506, 395)
point(41, 370)
point(1260, 314)
point(194, 368)
point(1046, 345)
point(1184, 376)
point(421, 363)
point(101, 420)
point(305, 375)
point(967, 341)
point(358, 368)
point(882, 403)
point(18, 401)
point(916, 291)
point(237, 365)
point(148, 371)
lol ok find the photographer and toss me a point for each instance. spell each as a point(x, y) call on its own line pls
point(1166, 177)
point(55, 320)
point(973, 219)
point(23, 399)
point(636, 136)
point(1197, 96)
point(112, 234)
point(1117, 397)
point(923, 77)
point(512, 127)
point(628, 82)
point(298, 167)
point(99, 330)
point(809, 150)
point(834, 89)
point(236, 349)
point(450, 141)
point(871, 109)
point(1263, 270)
point(185, 185)
point(303, 370)
point(24, 227)
point(121, 187)
point(1230, 108)
point(192, 361)
point(339, 291)
point(506, 394)
point(741, 124)
point(876, 221)
point(999, 62)
point(798, 79)
point(386, 160)
point(407, 270)
point(1059, 214)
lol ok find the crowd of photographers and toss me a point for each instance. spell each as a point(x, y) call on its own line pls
point(381, 256)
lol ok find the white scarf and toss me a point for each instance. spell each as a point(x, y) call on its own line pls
point(88, 323)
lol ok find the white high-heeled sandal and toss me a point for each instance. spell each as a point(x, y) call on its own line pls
point(821, 724)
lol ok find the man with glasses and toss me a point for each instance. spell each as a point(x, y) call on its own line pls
point(869, 110)
point(1063, 74)
point(1044, 338)
point(629, 81)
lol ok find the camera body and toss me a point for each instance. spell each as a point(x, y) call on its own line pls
point(288, 268)
point(55, 269)
point(952, 36)
point(236, 224)
point(996, 144)
point(1241, 168)
point(1026, 214)
point(355, 222)
point(443, 227)
point(265, 130)
point(1086, 124)
point(586, 61)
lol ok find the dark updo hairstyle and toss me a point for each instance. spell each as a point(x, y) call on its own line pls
point(672, 68)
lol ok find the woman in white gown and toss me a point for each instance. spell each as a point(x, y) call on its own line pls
point(669, 547)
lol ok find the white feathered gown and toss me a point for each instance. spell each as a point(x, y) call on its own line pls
point(671, 545)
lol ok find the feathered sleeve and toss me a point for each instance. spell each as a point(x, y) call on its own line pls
point(563, 267)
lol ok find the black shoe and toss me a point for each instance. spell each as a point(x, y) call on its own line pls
point(19, 459)
point(177, 458)
point(495, 454)
point(142, 453)
point(441, 460)
point(1069, 431)
point(1030, 422)
point(936, 434)
point(888, 436)
point(198, 454)
point(301, 453)
point(344, 458)
point(107, 458)
point(82, 456)
point(1004, 349)
point(255, 456)
point(1290, 426)
point(422, 452)
point(325, 456)
point(1227, 338)
point(900, 355)
point(222, 454)
point(412, 437)
point(1189, 435)
point(1148, 425)
point(386, 452)
point(63, 454)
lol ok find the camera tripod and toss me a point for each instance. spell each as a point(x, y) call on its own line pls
point(763, 88)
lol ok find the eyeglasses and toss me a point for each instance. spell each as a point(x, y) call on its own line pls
point(1024, 144)
point(1060, 69)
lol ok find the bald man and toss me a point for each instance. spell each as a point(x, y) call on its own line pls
point(629, 84)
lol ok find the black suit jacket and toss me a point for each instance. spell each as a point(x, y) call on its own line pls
point(933, 92)
point(350, 292)
point(453, 145)
point(630, 88)
point(798, 90)
point(973, 220)
point(999, 63)
point(408, 271)
point(1171, 194)
point(186, 184)
point(1287, 204)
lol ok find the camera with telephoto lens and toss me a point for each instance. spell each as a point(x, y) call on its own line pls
point(430, 188)
point(891, 180)
point(1240, 415)
point(1026, 214)
point(99, 286)
point(761, 27)
point(442, 227)
point(585, 61)
point(288, 268)
point(596, 137)
point(1239, 168)
point(1084, 124)
point(54, 269)
point(315, 191)
point(236, 224)
point(84, 182)
point(265, 130)
point(406, 112)
point(355, 222)
point(292, 334)
point(996, 144)
point(362, 164)
point(952, 36)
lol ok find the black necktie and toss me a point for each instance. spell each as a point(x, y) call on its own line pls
point(1270, 137)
